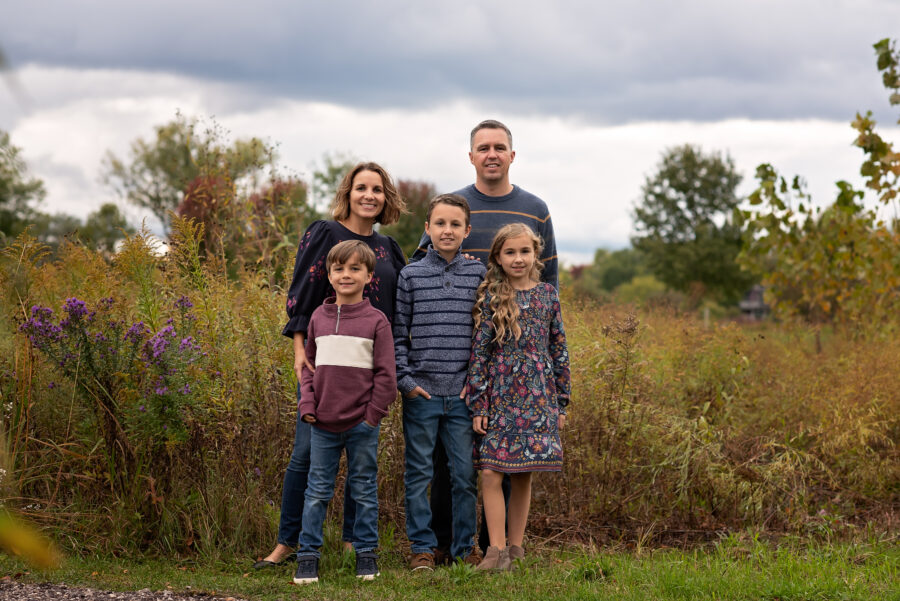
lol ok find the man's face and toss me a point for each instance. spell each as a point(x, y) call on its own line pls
point(491, 155)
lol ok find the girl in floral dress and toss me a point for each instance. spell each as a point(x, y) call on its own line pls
point(518, 385)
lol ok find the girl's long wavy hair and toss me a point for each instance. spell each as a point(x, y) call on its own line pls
point(496, 284)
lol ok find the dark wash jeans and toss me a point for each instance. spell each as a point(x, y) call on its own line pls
point(293, 491)
point(361, 444)
point(425, 422)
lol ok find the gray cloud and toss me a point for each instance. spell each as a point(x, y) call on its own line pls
point(604, 62)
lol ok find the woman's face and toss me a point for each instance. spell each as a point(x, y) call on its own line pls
point(366, 196)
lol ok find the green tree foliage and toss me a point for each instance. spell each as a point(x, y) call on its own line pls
point(840, 264)
point(19, 193)
point(53, 229)
point(325, 181)
point(685, 226)
point(640, 289)
point(104, 227)
point(158, 172)
point(408, 230)
point(609, 270)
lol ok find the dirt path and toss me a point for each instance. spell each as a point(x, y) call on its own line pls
point(10, 590)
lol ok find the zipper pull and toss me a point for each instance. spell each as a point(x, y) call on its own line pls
point(337, 324)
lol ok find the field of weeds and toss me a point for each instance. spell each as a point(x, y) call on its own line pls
point(148, 405)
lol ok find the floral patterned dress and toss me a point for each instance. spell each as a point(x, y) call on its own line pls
point(521, 386)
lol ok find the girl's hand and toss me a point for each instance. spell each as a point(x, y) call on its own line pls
point(418, 391)
point(561, 422)
point(309, 418)
point(300, 360)
point(479, 424)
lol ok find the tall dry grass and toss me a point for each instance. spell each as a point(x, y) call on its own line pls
point(676, 429)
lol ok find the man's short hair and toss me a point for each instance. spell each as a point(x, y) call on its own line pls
point(454, 200)
point(342, 252)
point(490, 124)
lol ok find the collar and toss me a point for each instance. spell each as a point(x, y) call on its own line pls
point(433, 257)
point(347, 311)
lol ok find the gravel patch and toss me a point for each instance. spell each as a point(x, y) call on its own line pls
point(10, 590)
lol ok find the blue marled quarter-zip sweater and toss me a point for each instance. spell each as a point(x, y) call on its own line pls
point(433, 322)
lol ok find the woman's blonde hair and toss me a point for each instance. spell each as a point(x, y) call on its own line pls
point(394, 205)
point(502, 301)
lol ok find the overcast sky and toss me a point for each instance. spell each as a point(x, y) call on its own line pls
point(593, 91)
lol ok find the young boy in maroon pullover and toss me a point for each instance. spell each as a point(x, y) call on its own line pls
point(349, 343)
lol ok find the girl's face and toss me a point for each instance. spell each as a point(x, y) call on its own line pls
point(517, 258)
point(366, 196)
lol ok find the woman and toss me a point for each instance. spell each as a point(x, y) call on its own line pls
point(366, 196)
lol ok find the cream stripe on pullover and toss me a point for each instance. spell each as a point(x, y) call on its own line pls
point(433, 323)
point(352, 349)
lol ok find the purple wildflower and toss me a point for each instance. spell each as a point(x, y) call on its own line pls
point(141, 408)
point(161, 390)
point(186, 389)
point(158, 344)
point(136, 332)
point(75, 308)
point(183, 303)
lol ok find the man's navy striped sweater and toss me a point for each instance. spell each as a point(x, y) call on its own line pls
point(433, 323)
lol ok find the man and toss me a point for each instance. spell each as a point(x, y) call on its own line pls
point(494, 202)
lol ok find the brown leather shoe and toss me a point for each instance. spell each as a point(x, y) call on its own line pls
point(442, 557)
point(473, 558)
point(422, 561)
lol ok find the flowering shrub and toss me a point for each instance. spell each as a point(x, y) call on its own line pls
point(168, 359)
point(136, 383)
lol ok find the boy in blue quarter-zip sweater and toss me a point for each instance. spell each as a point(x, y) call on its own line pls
point(432, 343)
point(354, 381)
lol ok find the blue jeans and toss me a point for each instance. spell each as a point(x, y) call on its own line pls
point(361, 443)
point(424, 420)
point(294, 489)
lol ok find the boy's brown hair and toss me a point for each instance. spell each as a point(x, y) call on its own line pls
point(342, 252)
point(454, 200)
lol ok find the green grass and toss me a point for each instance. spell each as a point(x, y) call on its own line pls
point(736, 568)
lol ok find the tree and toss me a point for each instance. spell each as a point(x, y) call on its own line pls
point(104, 227)
point(159, 172)
point(53, 229)
point(18, 192)
point(408, 230)
point(325, 181)
point(685, 223)
point(840, 264)
point(609, 270)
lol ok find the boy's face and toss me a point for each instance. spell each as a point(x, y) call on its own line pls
point(447, 228)
point(348, 279)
